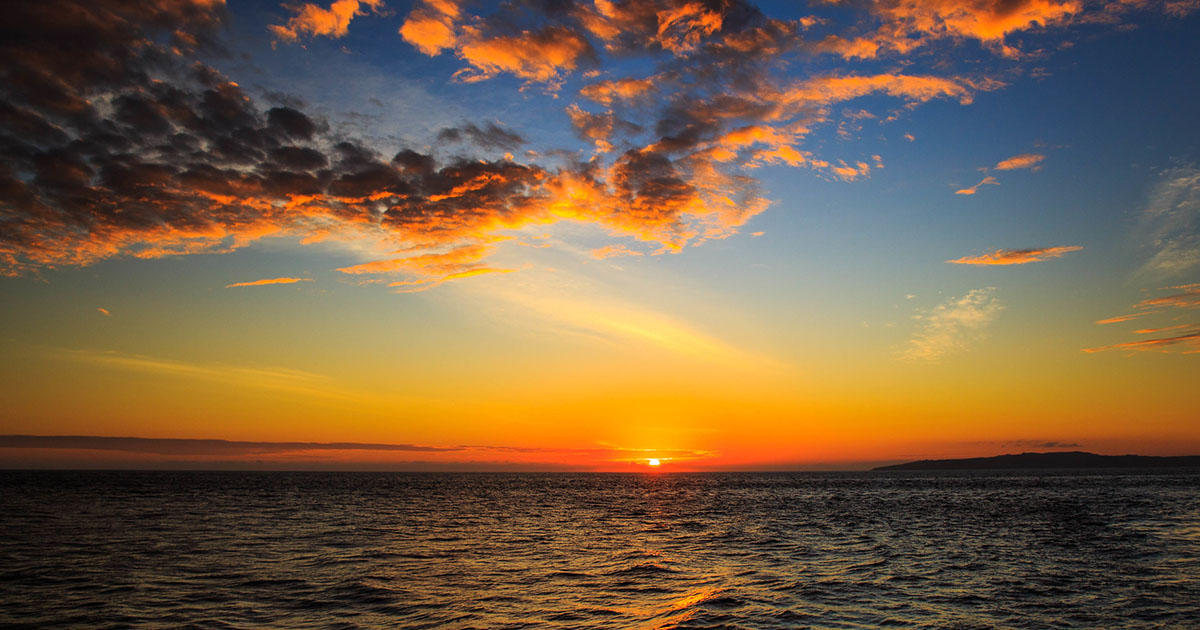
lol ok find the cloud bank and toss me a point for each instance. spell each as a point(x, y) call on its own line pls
point(137, 149)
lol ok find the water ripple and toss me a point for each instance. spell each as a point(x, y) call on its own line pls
point(349, 550)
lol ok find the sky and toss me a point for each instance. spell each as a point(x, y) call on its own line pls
point(543, 235)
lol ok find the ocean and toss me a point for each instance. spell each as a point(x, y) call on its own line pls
point(948, 550)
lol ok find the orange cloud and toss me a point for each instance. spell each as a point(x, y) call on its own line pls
point(1190, 298)
point(259, 283)
point(907, 24)
point(455, 260)
point(681, 28)
point(1151, 331)
point(986, 181)
point(1120, 318)
point(104, 312)
point(429, 34)
point(542, 55)
point(914, 89)
point(1027, 160)
point(1016, 256)
point(1190, 341)
point(611, 251)
point(314, 21)
point(414, 286)
point(430, 26)
point(606, 92)
point(850, 173)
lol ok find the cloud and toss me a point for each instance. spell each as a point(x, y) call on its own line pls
point(1151, 331)
point(1186, 296)
point(986, 181)
point(1016, 256)
point(196, 447)
point(599, 129)
point(188, 163)
point(413, 286)
point(1169, 226)
point(104, 312)
point(140, 150)
point(108, 451)
point(431, 26)
point(609, 92)
point(258, 283)
point(909, 24)
point(1119, 318)
point(1189, 342)
point(283, 379)
point(616, 249)
point(491, 136)
point(1189, 297)
point(314, 21)
point(540, 56)
point(1027, 160)
point(953, 325)
point(1039, 444)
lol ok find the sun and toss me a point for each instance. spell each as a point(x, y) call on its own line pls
point(653, 462)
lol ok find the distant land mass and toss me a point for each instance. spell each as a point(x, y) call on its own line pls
point(1067, 459)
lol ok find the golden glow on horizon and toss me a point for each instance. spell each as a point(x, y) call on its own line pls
point(653, 462)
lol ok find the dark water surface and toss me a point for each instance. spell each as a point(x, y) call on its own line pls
point(351, 550)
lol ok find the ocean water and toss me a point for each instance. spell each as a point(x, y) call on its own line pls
point(805, 550)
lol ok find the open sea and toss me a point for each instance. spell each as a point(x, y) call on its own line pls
point(779, 550)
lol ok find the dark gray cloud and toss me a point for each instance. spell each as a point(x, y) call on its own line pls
point(491, 136)
point(114, 141)
point(189, 447)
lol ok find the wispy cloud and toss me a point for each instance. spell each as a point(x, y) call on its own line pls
point(1169, 226)
point(1185, 296)
point(1026, 160)
point(265, 281)
point(986, 181)
point(953, 325)
point(414, 286)
point(1189, 342)
point(1152, 331)
point(284, 379)
point(1016, 256)
point(104, 312)
point(1119, 318)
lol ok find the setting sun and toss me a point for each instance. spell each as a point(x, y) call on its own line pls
point(653, 462)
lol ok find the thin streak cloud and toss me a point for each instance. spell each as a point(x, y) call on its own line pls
point(1189, 342)
point(194, 447)
point(266, 281)
point(272, 378)
point(1016, 256)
